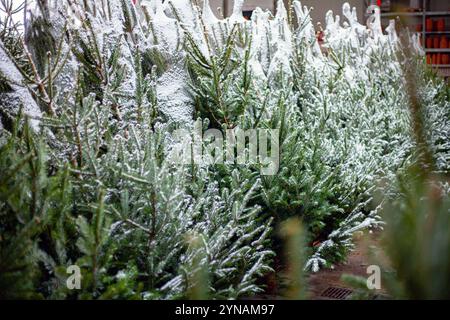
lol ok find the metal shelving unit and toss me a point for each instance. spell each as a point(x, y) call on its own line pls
point(437, 13)
point(437, 50)
point(401, 14)
point(422, 17)
point(437, 32)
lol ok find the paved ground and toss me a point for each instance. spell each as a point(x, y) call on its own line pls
point(356, 264)
point(327, 283)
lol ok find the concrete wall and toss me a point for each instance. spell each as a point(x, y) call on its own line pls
point(265, 4)
point(318, 14)
point(321, 7)
point(216, 4)
point(227, 5)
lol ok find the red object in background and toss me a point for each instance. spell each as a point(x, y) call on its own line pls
point(379, 3)
point(429, 58)
point(316, 243)
point(419, 28)
point(444, 42)
point(441, 25)
point(320, 36)
point(445, 59)
point(429, 43)
point(436, 42)
point(429, 24)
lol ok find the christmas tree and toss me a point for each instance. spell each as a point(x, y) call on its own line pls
point(93, 93)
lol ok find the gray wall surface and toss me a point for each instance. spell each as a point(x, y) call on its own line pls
point(318, 14)
point(248, 5)
point(321, 7)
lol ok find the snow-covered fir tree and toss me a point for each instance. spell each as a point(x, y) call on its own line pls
point(92, 91)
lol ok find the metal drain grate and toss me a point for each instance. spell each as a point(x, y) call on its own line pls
point(336, 293)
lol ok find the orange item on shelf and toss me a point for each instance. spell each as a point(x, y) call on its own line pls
point(429, 43)
point(445, 59)
point(429, 58)
point(438, 59)
point(444, 42)
point(433, 59)
point(429, 24)
point(436, 42)
point(440, 25)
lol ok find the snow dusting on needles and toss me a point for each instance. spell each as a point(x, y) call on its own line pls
point(18, 95)
point(144, 66)
point(270, 47)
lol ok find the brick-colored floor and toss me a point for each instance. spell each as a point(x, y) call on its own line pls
point(356, 264)
point(367, 252)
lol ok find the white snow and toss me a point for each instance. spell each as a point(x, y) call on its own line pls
point(19, 97)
